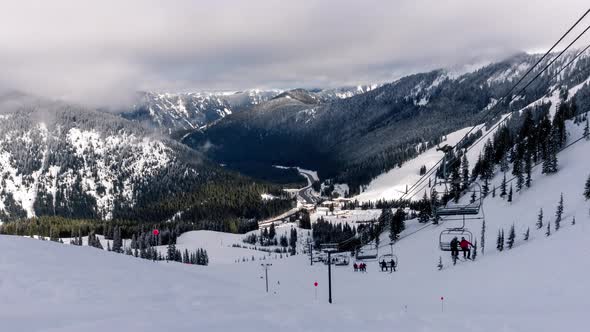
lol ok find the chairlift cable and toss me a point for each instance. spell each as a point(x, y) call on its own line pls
point(427, 174)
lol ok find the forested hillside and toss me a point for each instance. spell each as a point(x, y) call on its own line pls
point(63, 160)
point(355, 139)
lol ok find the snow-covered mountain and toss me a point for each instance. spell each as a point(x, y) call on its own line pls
point(62, 160)
point(170, 112)
point(72, 162)
point(355, 139)
point(182, 111)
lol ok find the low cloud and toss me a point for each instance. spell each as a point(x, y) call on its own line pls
point(101, 52)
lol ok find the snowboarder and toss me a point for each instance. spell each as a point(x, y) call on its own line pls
point(454, 248)
point(383, 266)
point(464, 244)
point(356, 267)
point(392, 265)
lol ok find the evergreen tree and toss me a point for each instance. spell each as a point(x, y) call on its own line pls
point(527, 234)
point(465, 172)
point(293, 240)
point(171, 252)
point(587, 189)
point(434, 203)
point(511, 237)
point(283, 241)
point(305, 222)
point(455, 184)
point(134, 244)
point(272, 232)
point(485, 189)
point(540, 219)
point(510, 194)
point(503, 187)
point(473, 197)
point(528, 166)
point(385, 217)
point(517, 172)
point(474, 254)
point(500, 241)
point(574, 220)
point(550, 162)
point(117, 241)
point(425, 210)
point(559, 213)
point(587, 130)
point(397, 224)
point(494, 192)
point(548, 232)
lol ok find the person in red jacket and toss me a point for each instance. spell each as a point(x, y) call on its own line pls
point(464, 244)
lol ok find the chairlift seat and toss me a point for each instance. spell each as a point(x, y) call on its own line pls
point(457, 210)
point(447, 236)
point(387, 258)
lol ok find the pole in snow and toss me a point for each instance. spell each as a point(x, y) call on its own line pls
point(329, 276)
point(315, 286)
point(442, 304)
point(266, 266)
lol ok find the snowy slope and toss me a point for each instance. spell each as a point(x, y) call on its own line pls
point(393, 184)
point(538, 285)
point(50, 287)
point(220, 246)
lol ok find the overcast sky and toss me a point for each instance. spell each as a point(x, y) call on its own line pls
point(101, 51)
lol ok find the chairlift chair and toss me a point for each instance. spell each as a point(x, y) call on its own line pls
point(341, 260)
point(447, 236)
point(367, 255)
point(458, 211)
point(387, 258)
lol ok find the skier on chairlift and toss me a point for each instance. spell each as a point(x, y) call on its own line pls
point(464, 244)
point(383, 265)
point(392, 262)
point(454, 248)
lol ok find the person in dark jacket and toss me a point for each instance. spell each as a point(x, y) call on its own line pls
point(392, 265)
point(454, 247)
point(383, 266)
point(464, 244)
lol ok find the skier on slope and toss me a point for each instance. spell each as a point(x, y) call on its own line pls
point(454, 248)
point(464, 244)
